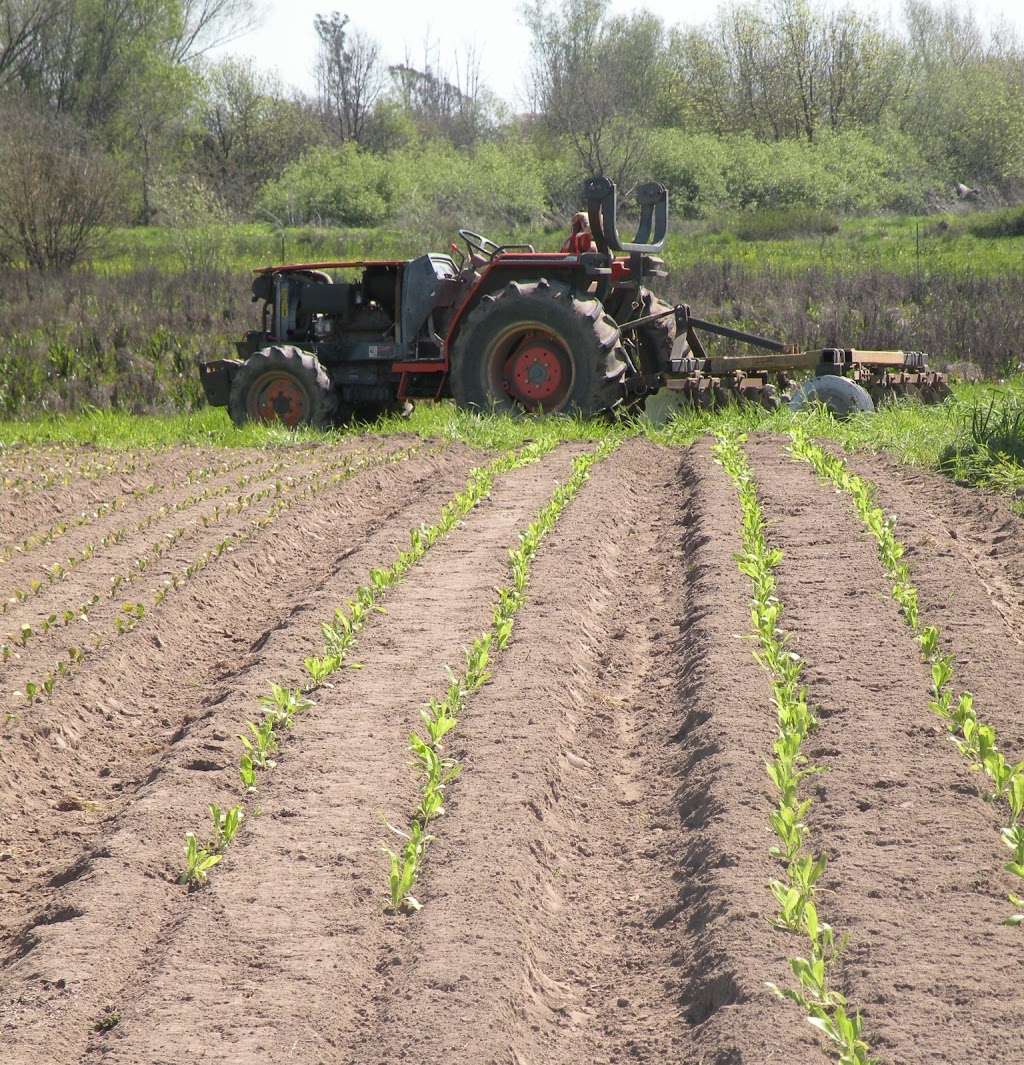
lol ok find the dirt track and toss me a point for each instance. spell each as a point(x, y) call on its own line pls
point(598, 888)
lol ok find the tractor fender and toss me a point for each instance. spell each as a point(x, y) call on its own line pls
point(500, 272)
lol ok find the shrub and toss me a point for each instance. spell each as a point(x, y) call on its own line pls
point(56, 191)
point(847, 172)
point(497, 186)
point(786, 223)
point(1001, 224)
point(332, 186)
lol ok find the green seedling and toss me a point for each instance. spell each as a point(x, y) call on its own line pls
point(282, 706)
point(225, 826)
point(845, 1033)
point(1015, 920)
point(439, 721)
point(198, 862)
point(1013, 837)
point(262, 743)
point(404, 866)
point(319, 669)
point(247, 771)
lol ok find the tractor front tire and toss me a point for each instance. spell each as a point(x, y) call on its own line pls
point(282, 384)
point(538, 347)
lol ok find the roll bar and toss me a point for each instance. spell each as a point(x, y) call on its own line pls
point(602, 212)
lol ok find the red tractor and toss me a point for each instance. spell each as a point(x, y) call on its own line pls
point(501, 327)
point(505, 328)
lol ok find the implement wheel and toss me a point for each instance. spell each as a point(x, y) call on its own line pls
point(842, 396)
point(282, 384)
point(538, 348)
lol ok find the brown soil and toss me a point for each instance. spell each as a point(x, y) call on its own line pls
point(915, 873)
point(966, 554)
point(39, 503)
point(598, 888)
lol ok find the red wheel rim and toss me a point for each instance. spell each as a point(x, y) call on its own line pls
point(535, 370)
point(278, 397)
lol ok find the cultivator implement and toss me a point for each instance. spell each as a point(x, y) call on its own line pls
point(844, 379)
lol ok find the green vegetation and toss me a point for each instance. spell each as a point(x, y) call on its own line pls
point(975, 740)
point(973, 438)
point(441, 716)
point(778, 240)
point(825, 1007)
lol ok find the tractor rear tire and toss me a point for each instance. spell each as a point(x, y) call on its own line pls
point(282, 384)
point(656, 338)
point(538, 347)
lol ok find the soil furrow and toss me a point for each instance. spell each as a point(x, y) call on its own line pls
point(47, 545)
point(167, 559)
point(148, 531)
point(316, 838)
point(41, 470)
point(73, 761)
point(135, 516)
point(966, 556)
point(915, 861)
point(598, 890)
point(20, 514)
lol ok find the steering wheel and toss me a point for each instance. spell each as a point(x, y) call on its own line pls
point(479, 246)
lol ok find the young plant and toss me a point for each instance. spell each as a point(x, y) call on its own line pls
point(797, 912)
point(226, 824)
point(198, 862)
point(440, 716)
point(976, 740)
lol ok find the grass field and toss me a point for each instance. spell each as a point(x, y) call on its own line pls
point(778, 241)
point(975, 437)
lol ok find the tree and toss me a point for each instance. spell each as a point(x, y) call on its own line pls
point(249, 131)
point(204, 24)
point(789, 69)
point(21, 24)
point(349, 76)
point(594, 79)
point(57, 190)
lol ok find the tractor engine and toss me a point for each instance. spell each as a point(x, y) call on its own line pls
point(357, 329)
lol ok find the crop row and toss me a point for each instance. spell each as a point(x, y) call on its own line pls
point(153, 553)
point(87, 517)
point(89, 470)
point(57, 572)
point(976, 740)
point(825, 1007)
point(284, 703)
point(441, 716)
point(133, 612)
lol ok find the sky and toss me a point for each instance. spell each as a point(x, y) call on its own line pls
point(285, 41)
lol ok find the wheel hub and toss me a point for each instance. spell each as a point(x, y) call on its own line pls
point(278, 397)
point(536, 372)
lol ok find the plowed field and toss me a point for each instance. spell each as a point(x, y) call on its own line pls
point(597, 890)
